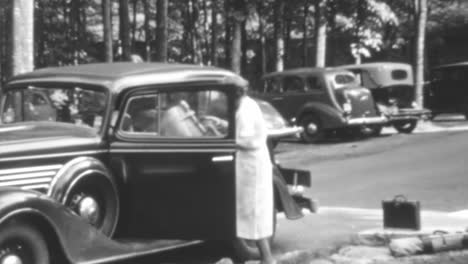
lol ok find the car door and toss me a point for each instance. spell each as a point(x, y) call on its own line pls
point(294, 95)
point(177, 148)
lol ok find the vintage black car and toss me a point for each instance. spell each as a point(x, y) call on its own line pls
point(393, 89)
point(97, 158)
point(320, 100)
point(447, 91)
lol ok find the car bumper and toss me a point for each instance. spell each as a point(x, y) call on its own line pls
point(375, 120)
point(292, 131)
point(408, 114)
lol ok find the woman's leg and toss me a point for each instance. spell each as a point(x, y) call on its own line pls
point(265, 251)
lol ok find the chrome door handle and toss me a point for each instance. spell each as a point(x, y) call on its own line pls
point(222, 158)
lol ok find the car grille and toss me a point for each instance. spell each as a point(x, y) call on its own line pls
point(36, 178)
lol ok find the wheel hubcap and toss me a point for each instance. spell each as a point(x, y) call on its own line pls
point(311, 128)
point(88, 208)
point(11, 259)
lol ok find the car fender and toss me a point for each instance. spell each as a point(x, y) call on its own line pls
point(73, 171)
point(330, 117)
point(77, 240)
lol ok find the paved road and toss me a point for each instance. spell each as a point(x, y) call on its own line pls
point(429, 167)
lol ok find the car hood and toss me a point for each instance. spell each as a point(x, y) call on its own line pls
point(35, 138)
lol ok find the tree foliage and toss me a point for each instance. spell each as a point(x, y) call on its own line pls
point(249, 36)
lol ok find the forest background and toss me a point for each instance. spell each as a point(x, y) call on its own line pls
point(250, 37)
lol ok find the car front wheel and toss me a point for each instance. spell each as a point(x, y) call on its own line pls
point(373, 130)
point(405, 126)
point(20, 243)
point(95, 199)
point(313, 129)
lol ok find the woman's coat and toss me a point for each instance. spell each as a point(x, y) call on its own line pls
point(254, 184)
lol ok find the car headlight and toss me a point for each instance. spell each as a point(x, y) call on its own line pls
point(347, 107)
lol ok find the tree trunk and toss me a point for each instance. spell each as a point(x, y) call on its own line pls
point(421, 29)
point(5, 36)
point(305, 53)
point(134, 20)
point(287, 36)
point(262, 39)
point(239, 17)
point(195, 46)
point(214, 33)
point(124, 29)
point(22, 40)
point(244, 40)
point(75, 29)
point(331, 37)
point(279, 41)
point(320, 33)
point(107, 28)
point(146, 6)
point(161, 31)
point(39, 35)
point(206, 33)
point(228, 29)
point(236, 50)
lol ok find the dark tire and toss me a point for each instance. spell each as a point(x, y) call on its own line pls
point(313, 129)
point(20, 241)
point(102, 191)
point(374, 130)
point(244, 249)
point(406, 126)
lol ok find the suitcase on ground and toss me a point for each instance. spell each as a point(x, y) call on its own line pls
point(401, 213)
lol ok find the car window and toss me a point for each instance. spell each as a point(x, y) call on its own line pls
point(315, 83)
point(293, 84)
point(344, 79)
point(177, 114)
point(271, 86)
point(78, 105)
point(399, 74)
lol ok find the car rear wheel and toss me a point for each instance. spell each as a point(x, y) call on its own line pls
point(95, 199)
point(20, 243)
point(406, 126)
point(313, 129)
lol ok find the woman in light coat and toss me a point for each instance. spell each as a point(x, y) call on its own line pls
point(254, 184)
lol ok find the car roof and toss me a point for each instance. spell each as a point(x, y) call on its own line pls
point(375, 65)
point(118, 76)
point(302, 71)
point(458, 64)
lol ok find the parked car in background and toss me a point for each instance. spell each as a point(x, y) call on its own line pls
point(447, 91)
point(278, 127)
point(98, 158)
point(393, 89)
point(320, 100)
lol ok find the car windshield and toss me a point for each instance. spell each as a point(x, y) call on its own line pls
point(341, 80)
point(79, 105)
